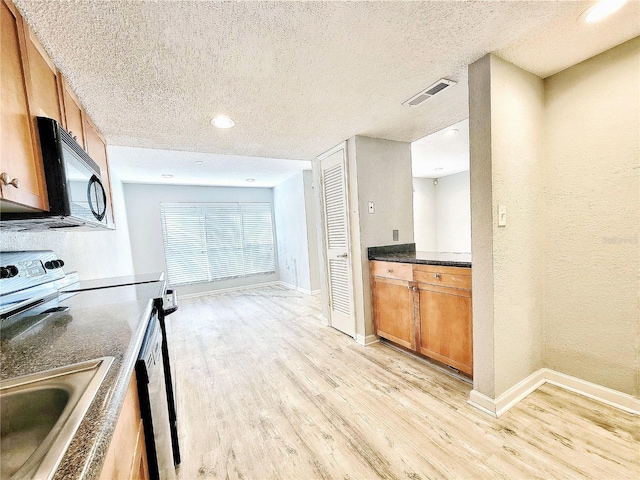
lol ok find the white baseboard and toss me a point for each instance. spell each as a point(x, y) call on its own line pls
point(368, 340)
point(606, 395)
point(299, 289)
point(324, 320)
point(225, 290)
point(499, 406)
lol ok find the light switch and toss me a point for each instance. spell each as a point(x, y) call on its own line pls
point(396, 235)
point(371, 209)
point(502, 215)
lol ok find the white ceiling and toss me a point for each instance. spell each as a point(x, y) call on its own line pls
point(297, 77)
point(143, 165)
point(445, 150)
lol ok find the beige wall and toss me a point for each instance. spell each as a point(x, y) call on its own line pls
point(559, 286)
point(382, 174)
point(507, 169)
point(482, 220)
point(592, 211)
point(93, 254)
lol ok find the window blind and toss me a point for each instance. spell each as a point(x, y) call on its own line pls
point(214, 241)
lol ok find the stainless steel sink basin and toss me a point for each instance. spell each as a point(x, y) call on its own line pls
point(40, 413)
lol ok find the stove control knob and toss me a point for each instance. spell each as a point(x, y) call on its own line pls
point(53, 264)
point(13, 270)
point(4, 272)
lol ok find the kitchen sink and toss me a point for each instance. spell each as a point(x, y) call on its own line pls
point(40, 413)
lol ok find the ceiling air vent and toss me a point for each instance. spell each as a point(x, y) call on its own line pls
point(428, 92)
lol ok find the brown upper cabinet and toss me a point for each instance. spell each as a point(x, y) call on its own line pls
point(72, 119)
point(45, 100)
point(32, 86)
point(22, 176)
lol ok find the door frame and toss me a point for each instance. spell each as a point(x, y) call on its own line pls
point(341, 146)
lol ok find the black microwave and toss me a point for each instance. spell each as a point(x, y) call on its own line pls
point(74, 187)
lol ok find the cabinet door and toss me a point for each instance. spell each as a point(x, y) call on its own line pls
point(140, 468)
point(72, 119)
point(393, 311)
point(18, 142)
point(97, 150)
point(124, 456)
point(44, 100)
point(445, 332)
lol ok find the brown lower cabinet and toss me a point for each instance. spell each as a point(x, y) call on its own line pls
point(126, 458)
point(425, 308)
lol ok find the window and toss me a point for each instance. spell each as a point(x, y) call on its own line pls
point(205, 242)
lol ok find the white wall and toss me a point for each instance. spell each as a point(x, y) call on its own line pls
point(506, 133)
point(453, 213)
point(294, 238)
point(93, 254)
point(424, 215)
point(313, 226)
point(442, 213)
point(322, 257)
point(592, 212)
point(380, 171)
point(143, 212)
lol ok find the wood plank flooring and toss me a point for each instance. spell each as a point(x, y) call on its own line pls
point(265, 391)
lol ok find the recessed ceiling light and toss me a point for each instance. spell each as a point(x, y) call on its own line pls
point(251, 180)
point(199, 162)
point(601, 10)
point(451, 132)
point(222, 122)
point(167, 175)
point(439, 169)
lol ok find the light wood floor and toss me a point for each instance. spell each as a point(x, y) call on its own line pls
point(266, 391)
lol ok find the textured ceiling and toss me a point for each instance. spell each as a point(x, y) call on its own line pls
point(297, 77)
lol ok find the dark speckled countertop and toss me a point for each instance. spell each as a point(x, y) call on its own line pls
point(99, 323)
point(406, 253)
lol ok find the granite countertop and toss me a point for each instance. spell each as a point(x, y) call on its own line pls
point(406, 253)
point(99, 323)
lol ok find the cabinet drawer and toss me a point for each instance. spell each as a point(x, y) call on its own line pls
point(401, 271)
point(443, 276)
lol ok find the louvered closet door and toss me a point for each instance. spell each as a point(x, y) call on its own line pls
point(337, 242)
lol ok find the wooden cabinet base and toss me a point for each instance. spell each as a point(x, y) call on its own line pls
point(426, 309)
point(126, 458)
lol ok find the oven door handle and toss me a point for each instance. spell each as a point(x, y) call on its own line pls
point(174, 303)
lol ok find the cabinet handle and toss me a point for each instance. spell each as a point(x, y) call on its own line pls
point(344, 255)
point(436, 275)
point(389, 270)
point(4, 178)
